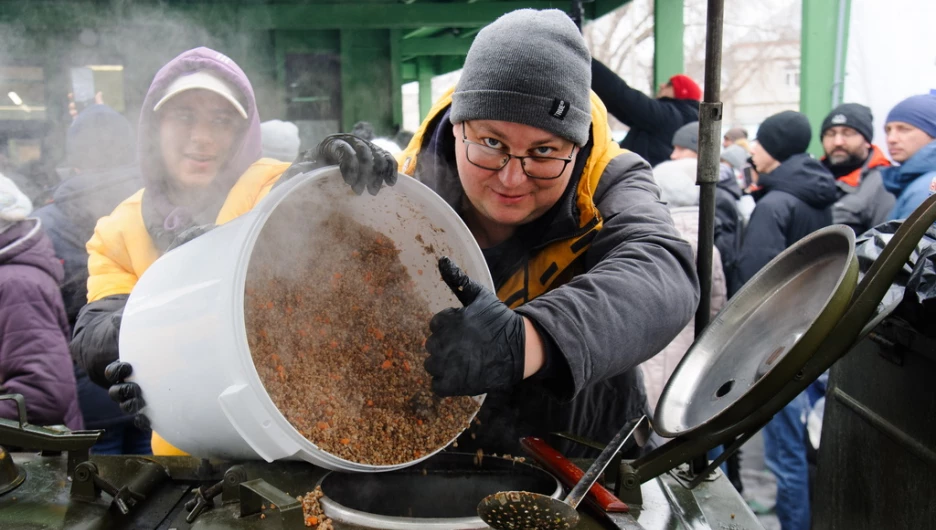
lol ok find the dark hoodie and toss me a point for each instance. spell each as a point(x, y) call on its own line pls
point(652, 121)
point(100, 172)
point(164, 220)
point(794, 200)
point(34, 358)
point(729, 227)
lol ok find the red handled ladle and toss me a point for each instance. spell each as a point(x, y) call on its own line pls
point(517, 510)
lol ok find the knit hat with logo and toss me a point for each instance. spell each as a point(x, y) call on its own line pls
point(853, 115)
point(529, 67)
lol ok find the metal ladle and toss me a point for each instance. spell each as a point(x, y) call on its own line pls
point(518, 510)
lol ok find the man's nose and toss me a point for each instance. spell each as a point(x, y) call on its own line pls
point(512, 174)
point(201, 132)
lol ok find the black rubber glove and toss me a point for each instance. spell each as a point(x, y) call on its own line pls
point(189, 234)
point(363, 165)
point(477, 348)
point(127, 394)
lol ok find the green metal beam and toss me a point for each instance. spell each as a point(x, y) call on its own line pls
point(817, 63)
point(448, 45)
point(422, 32)
point(367, 80)
point(667, 40)
point(408, 72)
point(425, 71)
point(62, 14)
point(396, 77)
point(449, 63)
point(600, 8)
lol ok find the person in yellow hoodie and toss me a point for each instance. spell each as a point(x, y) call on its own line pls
point(591, 276)
point(199, 149)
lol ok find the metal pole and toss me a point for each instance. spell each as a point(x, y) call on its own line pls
point(710, 116)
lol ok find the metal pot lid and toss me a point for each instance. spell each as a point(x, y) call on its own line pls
point(762, 337)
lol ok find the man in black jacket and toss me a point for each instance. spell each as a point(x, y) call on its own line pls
point(652, 121)
point(795, 197)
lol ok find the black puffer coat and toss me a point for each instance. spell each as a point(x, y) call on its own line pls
point(795, 200)
point(652, 121)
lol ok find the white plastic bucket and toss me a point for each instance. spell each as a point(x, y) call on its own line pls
point(183, 328)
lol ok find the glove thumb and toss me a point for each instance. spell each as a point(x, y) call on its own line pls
point(117, 371)
point(465, 289)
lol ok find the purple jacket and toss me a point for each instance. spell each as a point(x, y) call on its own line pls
point(34, 357)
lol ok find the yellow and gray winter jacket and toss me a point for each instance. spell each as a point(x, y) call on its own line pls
point(604, 275)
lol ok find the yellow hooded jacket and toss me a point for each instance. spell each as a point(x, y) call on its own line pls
point(554, 265)
point(121, 248)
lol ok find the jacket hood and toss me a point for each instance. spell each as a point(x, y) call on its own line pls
point(100, 138)
point(877, 158)
point(26, 244)
point(728, 182)
point(923, 161)
point(805, 178)
point(677, 182)
point(94, 194)
point(245, 151)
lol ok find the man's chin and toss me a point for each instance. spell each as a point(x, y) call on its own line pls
point(197, 182)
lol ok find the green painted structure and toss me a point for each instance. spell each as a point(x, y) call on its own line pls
point(322, 64)
point(667, 40)
point(821, 30)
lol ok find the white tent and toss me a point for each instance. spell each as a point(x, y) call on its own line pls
point(891, 55)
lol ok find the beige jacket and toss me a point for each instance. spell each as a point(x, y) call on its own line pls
point(658, 369)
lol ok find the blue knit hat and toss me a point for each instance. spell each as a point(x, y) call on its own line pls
point(919, 111)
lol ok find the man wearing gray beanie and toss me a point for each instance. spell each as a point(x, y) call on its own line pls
point(591, 277)
point(686, 142)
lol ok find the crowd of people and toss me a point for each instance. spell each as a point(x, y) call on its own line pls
point(591, 244)
point(772, 193)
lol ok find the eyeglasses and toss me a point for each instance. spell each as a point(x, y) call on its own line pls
point(535, 167)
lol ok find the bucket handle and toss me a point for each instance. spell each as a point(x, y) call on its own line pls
point(254, 424)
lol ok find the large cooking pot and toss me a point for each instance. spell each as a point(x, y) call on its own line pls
point(184, 329)
point(441, 493)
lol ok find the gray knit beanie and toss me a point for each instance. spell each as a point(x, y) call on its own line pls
point(687, 136)
point(529, 67)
